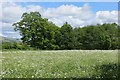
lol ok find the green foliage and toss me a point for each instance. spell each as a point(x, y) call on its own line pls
point(36, 31)
point(15, 45)
point(7, 45)
point(66, 40)
point(39, 33)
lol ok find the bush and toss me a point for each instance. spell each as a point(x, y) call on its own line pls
point(14, 45)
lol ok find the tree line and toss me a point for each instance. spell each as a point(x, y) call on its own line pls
point(39, 33)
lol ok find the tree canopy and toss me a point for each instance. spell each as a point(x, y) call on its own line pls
point(39, 33)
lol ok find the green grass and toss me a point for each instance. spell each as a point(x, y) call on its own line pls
point(60, 64)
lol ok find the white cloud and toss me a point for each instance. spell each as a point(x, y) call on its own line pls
point(7, 26)
point(74, 15)
point(3, 35)
point(10, 34)
point(107, 16)
point(34, 8)
point(70, 10)
point(11, 12)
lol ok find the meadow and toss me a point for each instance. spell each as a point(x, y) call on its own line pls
point(60, 64)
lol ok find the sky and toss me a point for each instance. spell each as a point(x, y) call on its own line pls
point(59, 0)
point(78, 14)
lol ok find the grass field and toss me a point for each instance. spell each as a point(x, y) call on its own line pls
point(60, 64)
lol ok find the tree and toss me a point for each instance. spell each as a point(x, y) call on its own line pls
point(77, 38)
point(39, 33)
point(36, 31)
point(66, 39)
point(110, 38)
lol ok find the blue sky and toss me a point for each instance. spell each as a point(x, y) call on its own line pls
point(78, 14)
point(59, 0)
point(96, 6)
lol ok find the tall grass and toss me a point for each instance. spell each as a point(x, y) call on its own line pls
point(60, 64)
